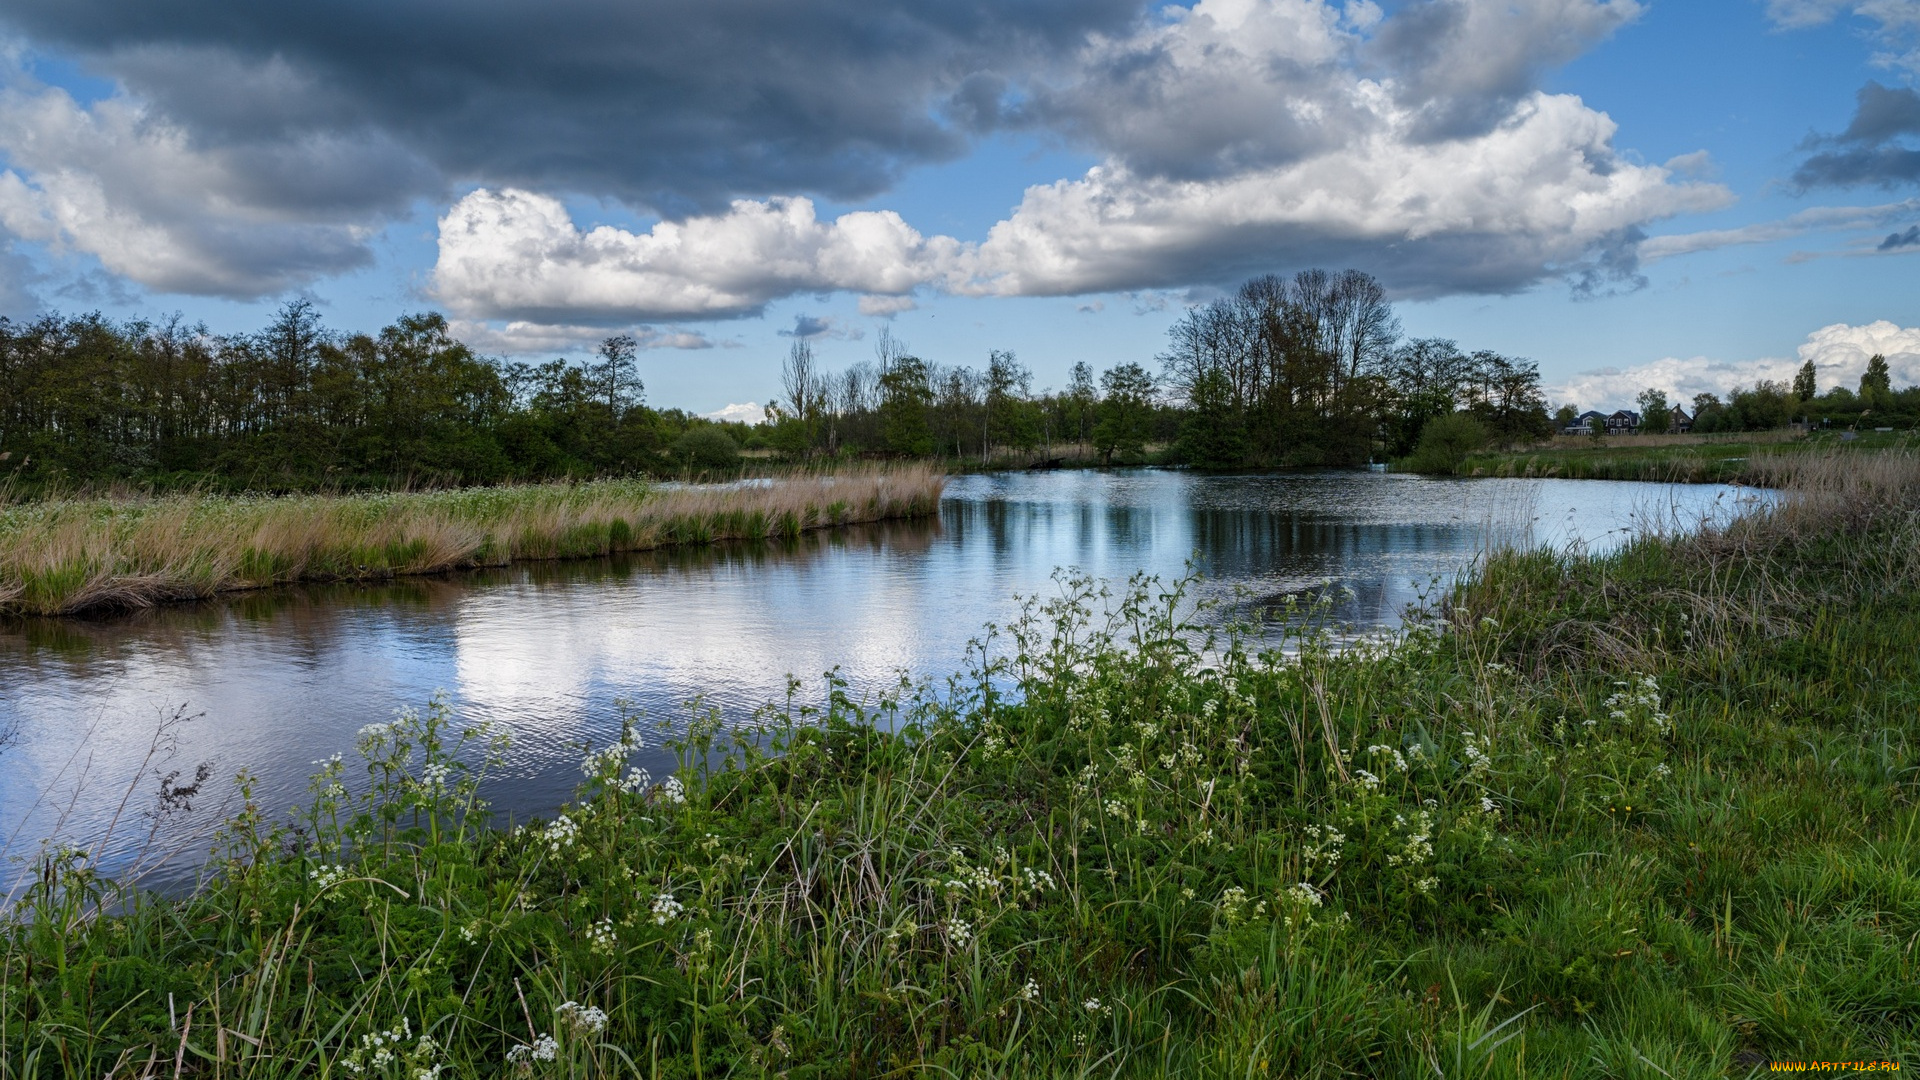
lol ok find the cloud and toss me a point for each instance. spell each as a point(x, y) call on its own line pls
point(1541, 195)
point(521, 338)
point(251, 151)
point(1895, 24)
point(1839, 353)
point(1817, 219)
point(116, 182)
point(749, 413)
point(809, 327)
point(1092, 307)
point(677, 105)
point(886, 307)
point(518, 255)
point(1896, 241)
point(1871, 150)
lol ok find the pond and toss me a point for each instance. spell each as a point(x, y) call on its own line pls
point(274, 681)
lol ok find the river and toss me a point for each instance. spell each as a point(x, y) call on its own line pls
point(274, 681)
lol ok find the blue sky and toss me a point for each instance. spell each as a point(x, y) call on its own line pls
point(168, 158)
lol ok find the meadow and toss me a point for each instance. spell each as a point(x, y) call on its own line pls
point(1746, 458)
point(64, 556)
point(1643, 815)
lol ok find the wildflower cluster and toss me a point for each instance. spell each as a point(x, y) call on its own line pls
point(388, 1053)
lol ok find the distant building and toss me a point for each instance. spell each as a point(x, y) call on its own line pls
point(1681, 422)
point(1624, 422)
point(1583, 424)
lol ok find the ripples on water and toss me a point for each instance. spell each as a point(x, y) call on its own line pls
point(280, 679)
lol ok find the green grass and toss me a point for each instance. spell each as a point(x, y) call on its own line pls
point(1648, 815)
point(1719, 461)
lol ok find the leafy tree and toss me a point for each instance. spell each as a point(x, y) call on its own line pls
point(1806, 383)
point(1876, 383)
point(706, 448)
point(1126, 412)
point(1655, 415)
point(905, 394)
point(1446, 442)
point(1212, 437)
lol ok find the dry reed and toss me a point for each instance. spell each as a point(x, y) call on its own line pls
point(66, 556)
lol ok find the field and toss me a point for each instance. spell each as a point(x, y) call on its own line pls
point(1687, 459)
point(1643, 815)
point(65, 556)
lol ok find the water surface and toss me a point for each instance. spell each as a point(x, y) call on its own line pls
point(275, 680)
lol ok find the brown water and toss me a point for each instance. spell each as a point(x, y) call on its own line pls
point(276, 680)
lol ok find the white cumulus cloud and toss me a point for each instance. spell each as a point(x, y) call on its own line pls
point(123, 184)
point(749, 413)
point(522, 338)
point(1238, 136)
point(518, 254)
point(1839, 353)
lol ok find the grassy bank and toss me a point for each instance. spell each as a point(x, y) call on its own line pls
point(1648, 815)
point(66, 556)
point(1669, 458)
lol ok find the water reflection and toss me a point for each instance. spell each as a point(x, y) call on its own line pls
point(280, 679)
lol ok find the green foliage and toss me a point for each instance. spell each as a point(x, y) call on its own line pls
point(1656, 416)
point(1445, 443)
point(706, 449)
point(1126, 413)
point(1590, 817)
point(1211, 436)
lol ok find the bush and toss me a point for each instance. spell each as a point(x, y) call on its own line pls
point(1445, 442)
point(705, 448)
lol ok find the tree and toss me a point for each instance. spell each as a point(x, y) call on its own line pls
point(615, 378)
point(1876, 383)
point(1079, 402)
point(798, 380)
point(1007, 421)
point(1806, 383)
point(1655, 415)
point(1211, 437)
point(905, 393)
point(1564, 416)
point(1446, 443)
point(1126, 412)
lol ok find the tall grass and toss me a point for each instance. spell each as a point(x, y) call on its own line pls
point(1642, 815)
point(65, 556)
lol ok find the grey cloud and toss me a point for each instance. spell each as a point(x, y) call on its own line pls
point(808, 327)
point(1465, 63)
point(1870, 151)
point(1896, 241)
point(673, 105)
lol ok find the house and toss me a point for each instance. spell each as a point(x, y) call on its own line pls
point(1583, 424)
point(1624, 422)
point(1681, 423)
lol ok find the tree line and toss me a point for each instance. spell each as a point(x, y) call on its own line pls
point(1773, 403)
point(85, 400)
point(1306, 370)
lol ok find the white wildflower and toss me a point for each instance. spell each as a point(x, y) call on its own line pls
point(666, 909)
point(582, 1020)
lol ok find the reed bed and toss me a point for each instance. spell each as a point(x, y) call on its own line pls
point(66, 556)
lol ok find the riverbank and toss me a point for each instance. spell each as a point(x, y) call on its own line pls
point(61, 557)
point(1676, 459)
point(1646, 814)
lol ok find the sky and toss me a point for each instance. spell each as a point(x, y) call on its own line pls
point(1632, 193)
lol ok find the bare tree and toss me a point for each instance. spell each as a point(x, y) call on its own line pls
point(797, 378)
